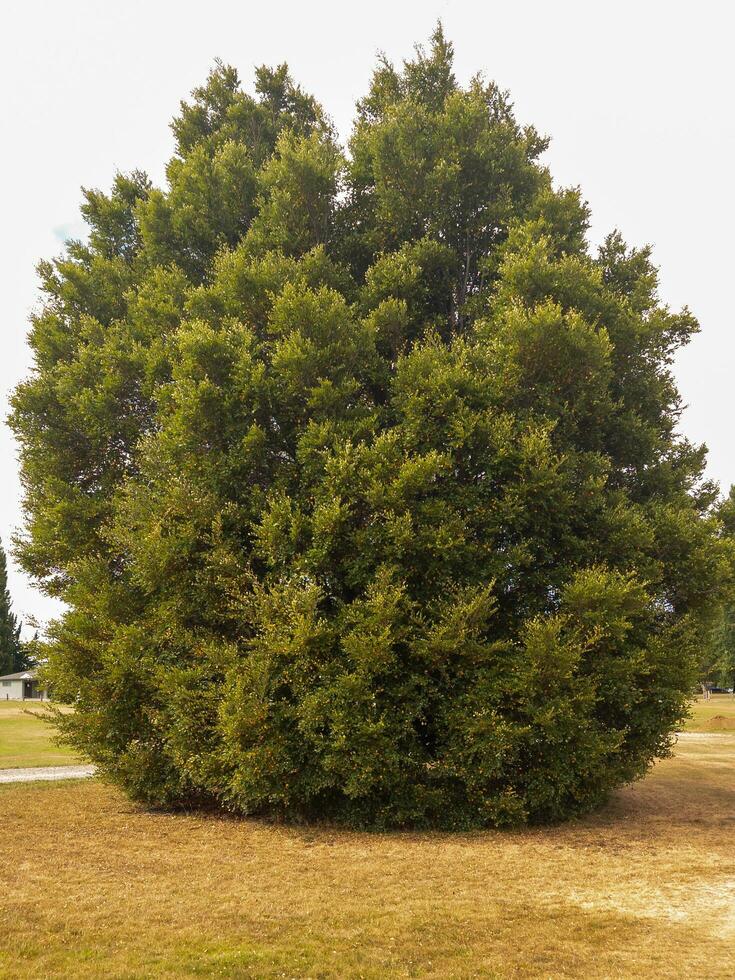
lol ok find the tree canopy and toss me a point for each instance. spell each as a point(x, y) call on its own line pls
point(359, 470)
point(717, 657)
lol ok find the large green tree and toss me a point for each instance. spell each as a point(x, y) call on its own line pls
point(11, 649)
point(359, 471)
point(717, 657)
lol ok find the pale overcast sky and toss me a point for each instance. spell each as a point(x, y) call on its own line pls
point(637, 97)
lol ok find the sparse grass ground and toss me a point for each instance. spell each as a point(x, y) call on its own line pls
point(715, 715)
point(26, 740)
point(92, 886)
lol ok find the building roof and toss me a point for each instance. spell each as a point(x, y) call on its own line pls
point(23, 675)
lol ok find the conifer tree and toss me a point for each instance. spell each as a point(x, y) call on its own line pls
point(359, 472)
point(11, 651)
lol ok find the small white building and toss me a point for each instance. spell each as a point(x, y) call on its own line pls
point(23, 686)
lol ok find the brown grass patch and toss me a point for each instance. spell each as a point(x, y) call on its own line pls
point(93, 886)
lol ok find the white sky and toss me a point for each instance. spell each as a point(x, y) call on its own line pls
point(637, 97)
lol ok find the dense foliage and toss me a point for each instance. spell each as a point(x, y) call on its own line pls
point(359, 471)
point(12, 657)
point(717, 657)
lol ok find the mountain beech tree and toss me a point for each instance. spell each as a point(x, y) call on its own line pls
point(358, 470)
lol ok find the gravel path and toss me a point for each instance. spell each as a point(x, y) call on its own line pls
point(705, 735)
point(45, 772)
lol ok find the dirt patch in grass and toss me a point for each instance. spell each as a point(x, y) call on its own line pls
point(721, 723)
point(645, 888)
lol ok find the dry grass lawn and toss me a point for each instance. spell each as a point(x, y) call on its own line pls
point(93, 886)
point(26, 740)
